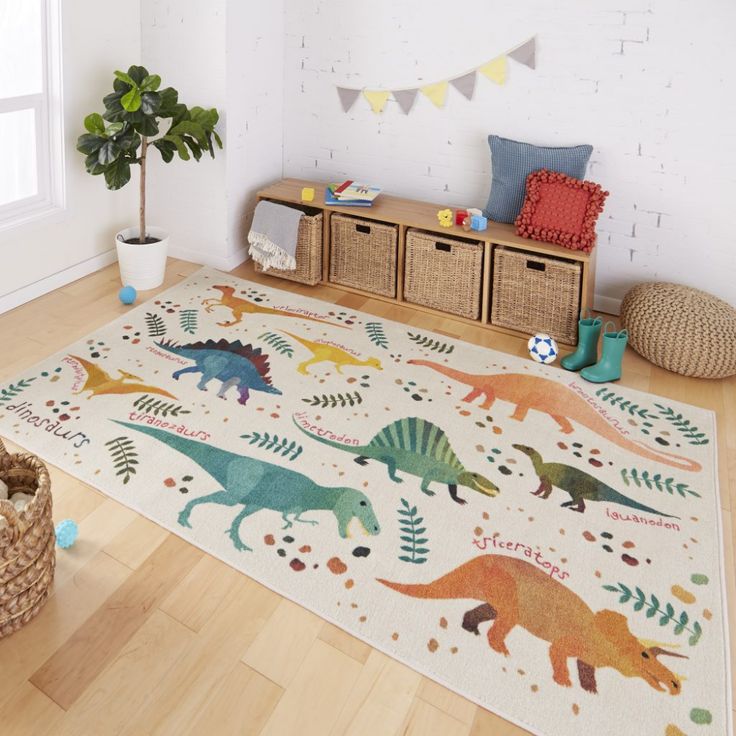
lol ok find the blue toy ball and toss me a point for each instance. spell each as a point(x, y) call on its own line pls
point(66, 533)
point(542, 348)
point(127, 294)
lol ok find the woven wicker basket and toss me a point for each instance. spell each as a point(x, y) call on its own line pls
point(533, 293)
point(682, 329)
point(308, 253)
point(443, 273)
point(363, 254)
point(27, 542)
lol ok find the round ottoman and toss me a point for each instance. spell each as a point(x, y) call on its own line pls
point(684, 330)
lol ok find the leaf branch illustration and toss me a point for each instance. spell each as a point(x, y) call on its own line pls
point(280, 446)
point(652, 608)
point(412, 534)
point(124, 456)
point(331, 401)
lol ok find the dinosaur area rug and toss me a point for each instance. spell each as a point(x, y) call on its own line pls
point(546, 547)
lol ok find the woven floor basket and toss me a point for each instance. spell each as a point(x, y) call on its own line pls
point(534, 293)
point(27, 542)
point(443, 273)
point(308, 253)
point(684, 330)
point(363, 254)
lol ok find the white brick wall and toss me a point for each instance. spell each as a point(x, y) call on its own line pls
point(648, 83)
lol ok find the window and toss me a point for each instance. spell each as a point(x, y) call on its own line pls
point(31, 153)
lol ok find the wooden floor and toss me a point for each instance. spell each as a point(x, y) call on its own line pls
point(145, 634)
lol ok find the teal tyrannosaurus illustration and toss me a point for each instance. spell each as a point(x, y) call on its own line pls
point(420, 448)
point(580, 485)
point(232, 363)
point(258, 485)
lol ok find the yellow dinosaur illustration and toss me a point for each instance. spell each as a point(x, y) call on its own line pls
point(239, 306)
point(100, 383)
point(327, 353)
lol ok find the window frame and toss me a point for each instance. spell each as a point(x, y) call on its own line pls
point(48, 118)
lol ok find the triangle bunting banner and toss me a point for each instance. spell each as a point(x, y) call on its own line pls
point(465, 85)
point(405, 98)
point(526, 53)
point(377, 99)
point(437, 93)
point(495, 70)
point(347, 97)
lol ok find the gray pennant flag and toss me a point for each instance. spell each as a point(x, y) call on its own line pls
point(465, 85)
point(405, 98)
point(525, 54)
point(347, 97)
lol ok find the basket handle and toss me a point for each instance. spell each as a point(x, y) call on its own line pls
point(439, 245)
point(536, 265)
point(363, 229)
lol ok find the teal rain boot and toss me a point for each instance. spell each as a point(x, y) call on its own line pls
point(589, 330)
point(608, 368)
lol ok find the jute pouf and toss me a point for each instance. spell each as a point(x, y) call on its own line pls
point(684, 330)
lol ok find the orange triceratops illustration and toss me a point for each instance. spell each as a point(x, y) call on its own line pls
point(239, 306)
point(99, 382)
point(514, 592)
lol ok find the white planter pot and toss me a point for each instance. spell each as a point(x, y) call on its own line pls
point(142, 266)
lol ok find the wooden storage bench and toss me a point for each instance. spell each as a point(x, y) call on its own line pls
point(400, 286)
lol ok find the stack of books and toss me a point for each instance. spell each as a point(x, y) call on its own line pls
point(351, 194)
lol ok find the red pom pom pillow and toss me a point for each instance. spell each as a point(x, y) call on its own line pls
point(560, 209)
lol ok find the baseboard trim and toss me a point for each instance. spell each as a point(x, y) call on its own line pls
point(607, 304)
point(56, 281)
point(222, 263)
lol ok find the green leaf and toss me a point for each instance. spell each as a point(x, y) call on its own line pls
point(113, 129)
point(638, 605)
point(117, 174)
point(651, 612)
point(406, 548)
point(123, 77)
point(88, 143)
point(150, 83)
point(146, 125)
point(131, 100)
point(404, 558)
point(150, 103)
point(109, 151)
point(421, 550)
point(188, 127)
point(679, 629)
point(181, 149)
point(93, 166)
point(138, 74)
point(611, 588)
point(406, 539)
point(95, 124)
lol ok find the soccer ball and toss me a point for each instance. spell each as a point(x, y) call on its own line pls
point(543, 348)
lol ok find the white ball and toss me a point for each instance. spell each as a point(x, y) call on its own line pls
point(543, 348)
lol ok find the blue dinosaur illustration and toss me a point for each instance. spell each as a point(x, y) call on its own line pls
point(257, 485)
point(232, 363)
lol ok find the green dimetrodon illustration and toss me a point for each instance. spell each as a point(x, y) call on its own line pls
point(419, 448)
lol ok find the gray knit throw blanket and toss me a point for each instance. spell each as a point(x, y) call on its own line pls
point(273, 236)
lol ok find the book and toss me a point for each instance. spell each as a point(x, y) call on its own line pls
point(352, 190)
point(330, 198)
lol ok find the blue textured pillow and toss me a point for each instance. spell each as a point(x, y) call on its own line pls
point(512, 162)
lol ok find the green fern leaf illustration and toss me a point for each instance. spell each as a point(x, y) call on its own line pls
point(155, 324)
point(411, 531)
point(278, 343)
point(151, 405)
point(13, 389)
point(376, 334)
point(124, 457)
point(332, 401)
point(188, 320)
point(424, 341)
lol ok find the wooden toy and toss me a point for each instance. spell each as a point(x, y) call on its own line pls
point(460, 216)
point(308, 194)
point(445, 217)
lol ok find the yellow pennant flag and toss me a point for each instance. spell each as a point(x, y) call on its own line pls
point(495, 70)
point(436, 93)
point(377, 99)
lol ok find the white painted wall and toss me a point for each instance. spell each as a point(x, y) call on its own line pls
point(184, 42)
point(230, 55)
point(47, 253)
point(648, 83)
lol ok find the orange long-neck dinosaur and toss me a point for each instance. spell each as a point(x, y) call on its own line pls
point(549, 397)
point(239, 306)
point(515, 592)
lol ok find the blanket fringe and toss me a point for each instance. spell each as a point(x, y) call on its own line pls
point(268, 254)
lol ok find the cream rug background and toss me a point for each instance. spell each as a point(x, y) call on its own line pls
point(344, 376)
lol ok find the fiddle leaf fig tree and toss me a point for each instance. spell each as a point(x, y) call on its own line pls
point(138, 115)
